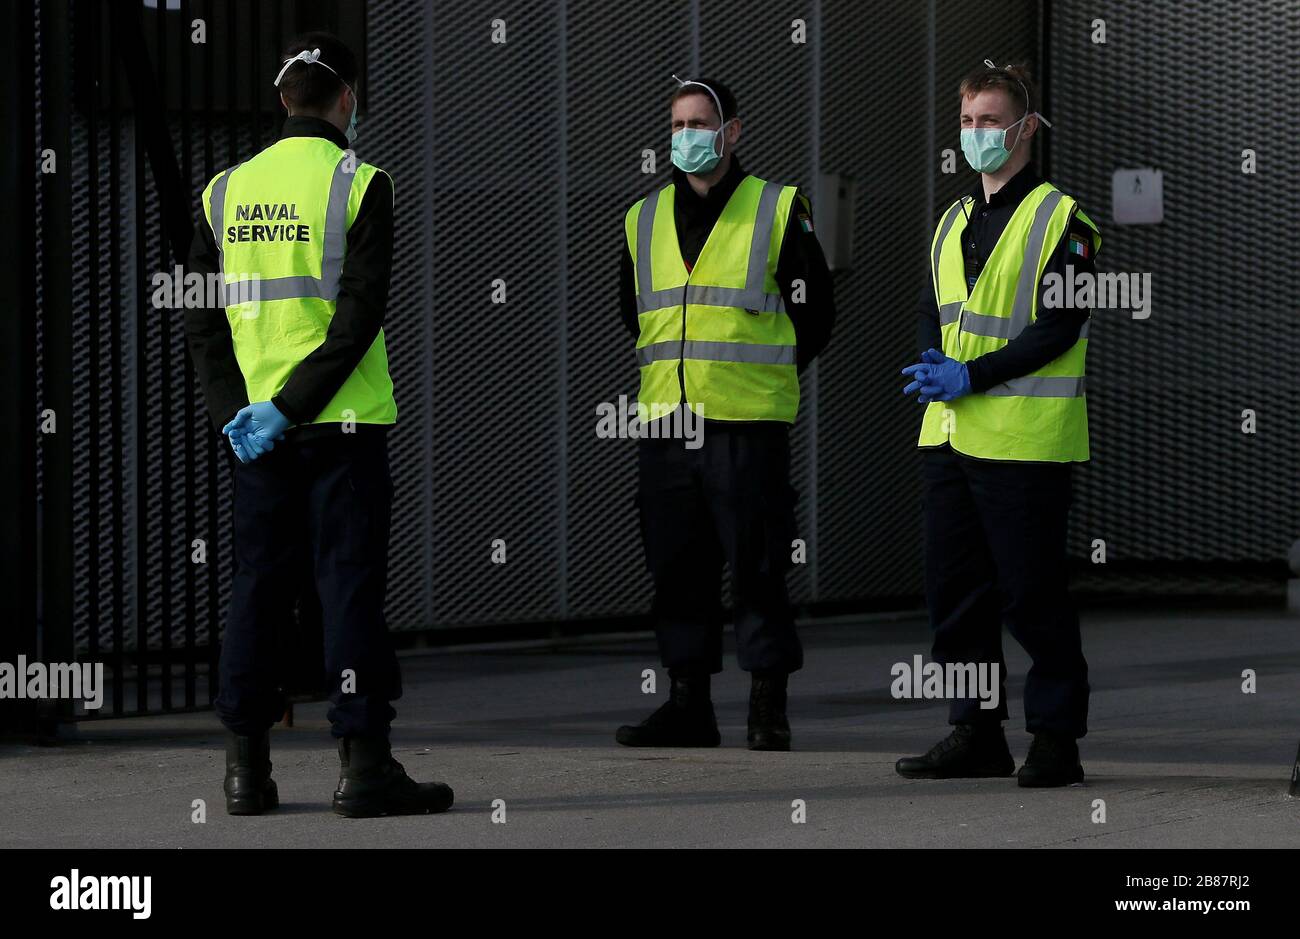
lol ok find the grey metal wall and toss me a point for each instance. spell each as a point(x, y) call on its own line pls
point(1186, 87)
point(516, 161)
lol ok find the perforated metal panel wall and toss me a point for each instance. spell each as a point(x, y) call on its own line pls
point(397, 134)
point(1186, 87)
point(880, 125)
point(514, 162)
point(532, 153)
point(616, 75)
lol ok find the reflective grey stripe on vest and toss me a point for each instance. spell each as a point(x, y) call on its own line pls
point(1039, 386)
point(750, 297)
point(944, 227)
point(336, 229)
point(949, 312)
point(710, 296)
point(645, 232)
point(258, 289)
point(749, 352)
point(326, 287)
point(764, 221)
point(982, 324)
point(217, 212)
point(1027, 285)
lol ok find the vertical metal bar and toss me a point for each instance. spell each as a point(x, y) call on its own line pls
point(277, 39)
point(562, 266)
point(56, 638)
point(116, 357)
point(168, 537)
point(427, 338)
point(255, 92)
point(143, 542)
point(815, 129)
point(277, 29)
point(1045, 84)
point(363, 59)
point(931, 103)
point(255, 125)
point(213, 568)
point(232, 87)
point(91, 11)
point(190, 481)
point(18, 530)
point(695, 39)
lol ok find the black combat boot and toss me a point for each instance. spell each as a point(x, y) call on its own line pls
point(685, 720)
point(250, 790)
point(1053, 760)
point(970, 751)
point(373, 783)
point(769, 729)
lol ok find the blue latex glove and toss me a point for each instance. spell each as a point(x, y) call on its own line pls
point(237, 444)
point(255, 429)
point(937, 378)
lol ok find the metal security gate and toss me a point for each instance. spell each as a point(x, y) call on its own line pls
point(137, 106)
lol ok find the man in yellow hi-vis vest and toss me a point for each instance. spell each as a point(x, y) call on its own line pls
point(725, 288)
point(295, 372)
point(1002, 378)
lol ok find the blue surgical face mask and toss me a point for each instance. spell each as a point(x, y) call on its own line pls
point(985, 148)
point(696, 150)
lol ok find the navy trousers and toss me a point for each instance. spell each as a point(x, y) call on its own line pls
point(327, 500)
point(995, 552)
point(728, 501)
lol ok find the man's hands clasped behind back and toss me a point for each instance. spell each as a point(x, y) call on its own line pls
point(255, 429)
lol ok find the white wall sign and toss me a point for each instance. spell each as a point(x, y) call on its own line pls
point(1137, 196)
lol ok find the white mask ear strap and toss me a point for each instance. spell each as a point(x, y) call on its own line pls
point(1021, 122)
point(716, 101)
point(311, 57)
point(989, 63)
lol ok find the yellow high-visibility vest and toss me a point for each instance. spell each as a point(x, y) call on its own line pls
point(280, 221)
point(1043, 416)
point(717, 336)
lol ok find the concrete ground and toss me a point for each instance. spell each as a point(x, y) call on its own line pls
point(1179, 755)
